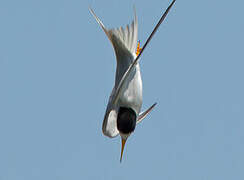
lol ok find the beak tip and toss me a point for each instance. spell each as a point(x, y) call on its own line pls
point(122, 149)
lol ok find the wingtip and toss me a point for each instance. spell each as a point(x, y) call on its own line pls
point(172, 3)
point(145, 113)
point(96, 18)
point(91, 11)
point(99, 21)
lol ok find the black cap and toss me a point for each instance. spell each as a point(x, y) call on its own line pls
point(126, 120)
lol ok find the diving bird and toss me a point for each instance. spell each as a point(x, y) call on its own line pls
point(123, 111)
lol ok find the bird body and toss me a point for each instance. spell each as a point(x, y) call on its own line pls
point(124, 106)
point(131, 92)
point(124, 41)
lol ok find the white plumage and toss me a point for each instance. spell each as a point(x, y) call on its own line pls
point(127, 91)
point(124, 41)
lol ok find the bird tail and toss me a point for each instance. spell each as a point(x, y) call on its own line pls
point(121, 38)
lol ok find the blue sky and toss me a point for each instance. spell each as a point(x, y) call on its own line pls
point(57, 71)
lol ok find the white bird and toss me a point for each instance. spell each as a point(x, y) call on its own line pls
point(124, 106)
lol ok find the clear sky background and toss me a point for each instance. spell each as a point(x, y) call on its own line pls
point(57, 71)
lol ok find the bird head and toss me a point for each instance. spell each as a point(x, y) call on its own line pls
point(126, 124)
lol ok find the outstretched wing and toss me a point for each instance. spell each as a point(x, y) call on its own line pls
point(131, 67)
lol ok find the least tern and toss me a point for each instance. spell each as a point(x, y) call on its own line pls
point(123, 111)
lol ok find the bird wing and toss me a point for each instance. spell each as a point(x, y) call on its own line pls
point(109, 127)
point(145, 113)
point(124, 41)
point(135, 62)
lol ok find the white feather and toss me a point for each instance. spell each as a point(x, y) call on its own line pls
point(129, 93)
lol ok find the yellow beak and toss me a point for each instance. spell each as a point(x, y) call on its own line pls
point(122, 148)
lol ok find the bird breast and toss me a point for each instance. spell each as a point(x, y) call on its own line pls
point(131, 92)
